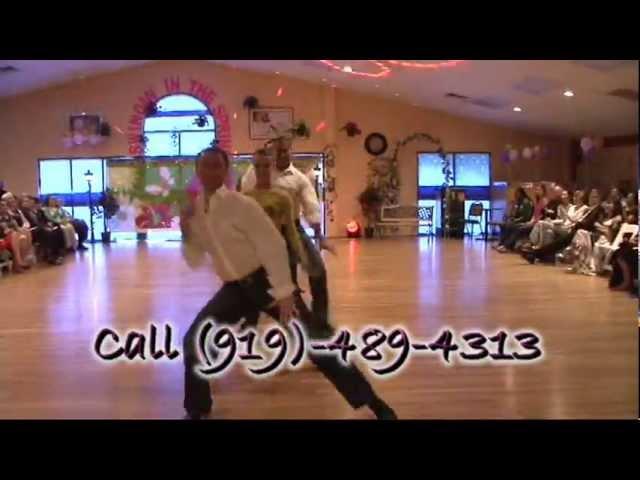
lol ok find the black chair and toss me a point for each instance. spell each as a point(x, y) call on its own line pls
point(475, 217)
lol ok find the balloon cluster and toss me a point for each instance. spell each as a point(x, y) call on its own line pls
point(589, 145)
point(511, 154)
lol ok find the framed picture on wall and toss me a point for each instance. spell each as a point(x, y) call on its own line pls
point(265, 123)
point(84, 124)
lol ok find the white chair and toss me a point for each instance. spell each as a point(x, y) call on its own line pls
point(395, 216)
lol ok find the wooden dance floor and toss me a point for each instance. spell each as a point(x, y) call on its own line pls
point(49, 319)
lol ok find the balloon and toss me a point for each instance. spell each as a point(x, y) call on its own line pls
point(94, 139)
point(78, 139)
point(513, 155)
point(536, 150)
point(527, 153)
point(67, 141)
point(586, 144)
point(505, 156)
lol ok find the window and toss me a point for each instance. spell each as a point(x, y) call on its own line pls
point(183, 126)
point(55, 177)
point(66, 180)
point(471, 171)
point(430, 172)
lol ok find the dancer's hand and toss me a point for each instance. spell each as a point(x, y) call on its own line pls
point(287, 309)
point(325, 245)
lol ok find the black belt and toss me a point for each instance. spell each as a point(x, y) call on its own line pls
point(251, 278)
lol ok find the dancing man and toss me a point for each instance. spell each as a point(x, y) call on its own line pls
point(250, 256)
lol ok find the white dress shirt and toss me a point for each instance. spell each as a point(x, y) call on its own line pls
point(240, 238)
point(575, 214)
point(296, 184)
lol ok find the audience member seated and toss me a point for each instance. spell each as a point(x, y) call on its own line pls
point(521, 212)
point(604, 232)
point(11, 239)
point(629, 203)
point(23, 226)
point(55, 214)
point(547, 252)
point(625, 266)
point(555, 216)
point(603, 250)
point(48, 236)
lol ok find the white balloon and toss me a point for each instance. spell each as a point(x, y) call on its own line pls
point(513, 155)
point(527, 153)
point(536, 150)
point(586, 144)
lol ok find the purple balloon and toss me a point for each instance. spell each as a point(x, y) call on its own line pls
point(505, 157)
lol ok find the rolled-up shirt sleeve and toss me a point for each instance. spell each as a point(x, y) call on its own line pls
point(269, 245)
point(192, 251)
point(309, 199)
point(248, 181)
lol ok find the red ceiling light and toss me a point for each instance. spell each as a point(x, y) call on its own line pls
point(428, 66)
point(383, 70)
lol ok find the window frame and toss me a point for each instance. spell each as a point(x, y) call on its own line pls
point(181, 113)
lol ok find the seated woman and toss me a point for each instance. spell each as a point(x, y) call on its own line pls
point(563, 240)
point(11, 239)
point(604, 231)
point(524, 229)
point(56, 215)
point(625, 265)
point(543, 232)
point(521, 212)
point(49, 237)
point(23, 225)
point(629, 203)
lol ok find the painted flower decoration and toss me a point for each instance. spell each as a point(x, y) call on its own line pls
point(165, 185)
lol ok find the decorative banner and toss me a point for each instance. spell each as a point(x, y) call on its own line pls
point(175, 86)
point(150, 195)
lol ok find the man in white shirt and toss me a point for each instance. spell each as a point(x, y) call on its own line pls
point(288, 178)
point(250, 256)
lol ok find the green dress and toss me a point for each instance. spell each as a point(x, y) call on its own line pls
point(277, 204)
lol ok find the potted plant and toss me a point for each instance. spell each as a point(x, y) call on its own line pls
point(110, 207)
point(370, 201)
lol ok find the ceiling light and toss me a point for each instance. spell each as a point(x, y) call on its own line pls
point(517, 109)
point(377, 86)
point(568, 93)
point(333, 85)
point(397, 94)
point(277, 73)
point(324, 79)
point(382, 70)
